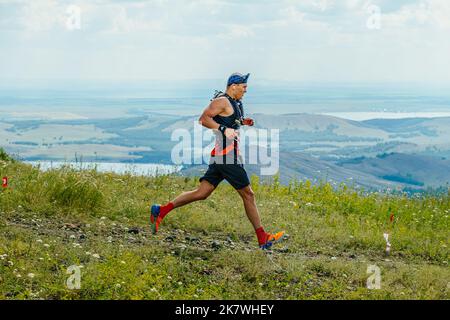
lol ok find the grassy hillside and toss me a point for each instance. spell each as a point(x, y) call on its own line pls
point(52, 220)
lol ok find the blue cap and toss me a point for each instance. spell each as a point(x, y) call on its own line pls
point(237, 78)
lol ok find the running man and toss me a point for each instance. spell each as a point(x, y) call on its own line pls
point(224, 115)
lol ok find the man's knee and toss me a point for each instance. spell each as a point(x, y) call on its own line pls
point(202, 194)
point(247, 194)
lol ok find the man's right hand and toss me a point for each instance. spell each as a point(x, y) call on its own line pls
point(231, 133)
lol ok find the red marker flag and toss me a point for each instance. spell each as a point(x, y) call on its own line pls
point(5, 182)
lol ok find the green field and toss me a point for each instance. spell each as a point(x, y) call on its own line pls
point(52, 220)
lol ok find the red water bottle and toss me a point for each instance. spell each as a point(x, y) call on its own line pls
point(5, 182)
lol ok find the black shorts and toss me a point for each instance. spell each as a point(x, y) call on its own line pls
point(235, 174)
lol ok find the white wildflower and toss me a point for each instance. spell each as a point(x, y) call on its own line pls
point(96, 255)
point(30, 275)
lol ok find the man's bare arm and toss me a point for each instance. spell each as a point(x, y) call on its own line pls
point(216, 107)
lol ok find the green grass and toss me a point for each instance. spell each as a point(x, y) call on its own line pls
point(4, 156)
point(55, 219)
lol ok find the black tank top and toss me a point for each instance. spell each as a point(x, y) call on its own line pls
point(232, 121)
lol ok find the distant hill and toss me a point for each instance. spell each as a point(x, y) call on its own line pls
point(317, 123)
point(312, 146)
point(430, 136)
point(297, 121)
point(331, 137)
point(414, 170)
point(410, 124)
point(299, 166)
point(394, 171)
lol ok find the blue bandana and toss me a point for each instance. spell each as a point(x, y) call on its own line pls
point(237, 78)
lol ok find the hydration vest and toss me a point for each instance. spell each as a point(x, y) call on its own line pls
point(233, 121)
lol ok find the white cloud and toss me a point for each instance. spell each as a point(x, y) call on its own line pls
point(39, 16)
point(428, 13)
point(237, 31)
point(292, 15)
point(297, 39)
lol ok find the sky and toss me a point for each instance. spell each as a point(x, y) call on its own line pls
point(282, 40)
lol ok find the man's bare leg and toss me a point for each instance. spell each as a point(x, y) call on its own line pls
point(158, 212)
point(201, 193)
point(265, 239)
point(248, 196)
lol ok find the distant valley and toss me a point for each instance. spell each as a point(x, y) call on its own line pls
point(377, 154)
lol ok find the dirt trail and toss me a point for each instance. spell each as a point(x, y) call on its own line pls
point(179, 242)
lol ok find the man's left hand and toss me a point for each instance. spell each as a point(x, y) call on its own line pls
point(248, 122)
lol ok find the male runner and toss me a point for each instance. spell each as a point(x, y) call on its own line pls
point(224, 115)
